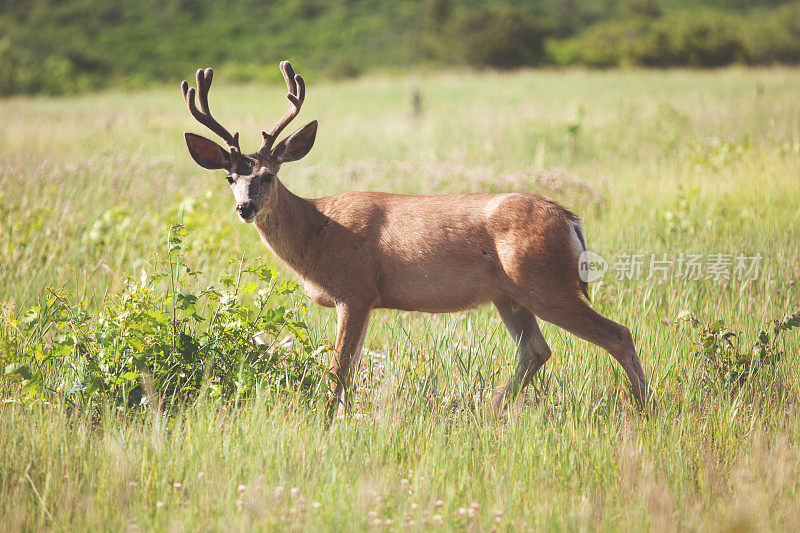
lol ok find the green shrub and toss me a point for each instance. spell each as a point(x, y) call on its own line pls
point(701, 38)
point(506, 38)
point(707, 39)
point(774, 37)
point(342, 67)
point(160, 339)
point(730, 360)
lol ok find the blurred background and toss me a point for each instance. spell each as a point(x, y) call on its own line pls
point(69, 46)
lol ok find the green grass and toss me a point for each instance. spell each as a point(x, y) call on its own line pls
point(663, 162)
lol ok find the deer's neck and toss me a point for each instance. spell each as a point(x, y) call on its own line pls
point(288, 226)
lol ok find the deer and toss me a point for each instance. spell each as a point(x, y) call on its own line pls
point(360, 251)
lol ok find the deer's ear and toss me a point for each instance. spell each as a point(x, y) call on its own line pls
point(297, 145)
point(207, 153)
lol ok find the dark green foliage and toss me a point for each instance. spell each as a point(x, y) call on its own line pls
point(161, 340)
point(55, 47)
point(507, 38)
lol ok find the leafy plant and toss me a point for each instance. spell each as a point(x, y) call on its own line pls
point(160, 339)
point(728, 357)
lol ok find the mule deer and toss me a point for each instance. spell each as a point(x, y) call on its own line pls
point(359, 251)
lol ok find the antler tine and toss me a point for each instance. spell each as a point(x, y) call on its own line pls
point(296, 86)
point(288, 76)
point(203, 115)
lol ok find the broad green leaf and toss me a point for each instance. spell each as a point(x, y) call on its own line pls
point(18, 369)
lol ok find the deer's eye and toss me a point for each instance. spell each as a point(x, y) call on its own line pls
point(230, 180)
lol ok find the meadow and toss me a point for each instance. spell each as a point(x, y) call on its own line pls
point(655, 162)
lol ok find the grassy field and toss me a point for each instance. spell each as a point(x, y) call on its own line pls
point(656, 162)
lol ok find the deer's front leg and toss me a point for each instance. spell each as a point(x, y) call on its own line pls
point(351, 328)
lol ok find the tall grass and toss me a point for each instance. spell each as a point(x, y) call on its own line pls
point(660, 162)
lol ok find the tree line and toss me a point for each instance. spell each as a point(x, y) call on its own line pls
point(55, 47)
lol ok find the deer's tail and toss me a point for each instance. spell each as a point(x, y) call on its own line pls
point(578, 228)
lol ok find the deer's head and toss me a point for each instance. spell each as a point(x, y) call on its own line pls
point(251, 177)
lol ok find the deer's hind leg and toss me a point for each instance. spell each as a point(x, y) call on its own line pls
point(532, 349)
point(574, 314)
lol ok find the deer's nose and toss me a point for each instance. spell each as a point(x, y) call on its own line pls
point(246, 209)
